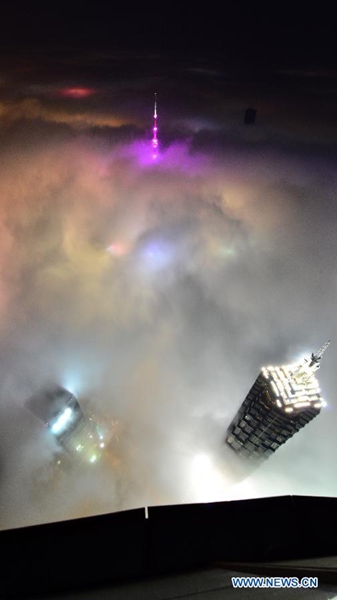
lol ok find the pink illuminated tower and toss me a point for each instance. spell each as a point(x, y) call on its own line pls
point(155, 128)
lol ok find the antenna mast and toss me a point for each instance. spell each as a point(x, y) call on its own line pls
point(307, 369)
point(315, 358)
point(155, 129)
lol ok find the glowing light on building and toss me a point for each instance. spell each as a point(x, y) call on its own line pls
point(72, 380)
point(62, 421)
point(155, 129)
point(296, 383)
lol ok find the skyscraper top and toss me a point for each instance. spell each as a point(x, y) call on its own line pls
point(307, 368)
point(295, 386)
point(281, 401)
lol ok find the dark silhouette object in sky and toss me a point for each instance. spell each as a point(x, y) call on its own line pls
point(250, 116)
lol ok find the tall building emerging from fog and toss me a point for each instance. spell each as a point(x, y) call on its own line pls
point(61, 413)
point(57, 408)
point(281, 402)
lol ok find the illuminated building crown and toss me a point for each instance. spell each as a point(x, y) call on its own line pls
point(282, 400)
point(295, 386)
point(306, 369)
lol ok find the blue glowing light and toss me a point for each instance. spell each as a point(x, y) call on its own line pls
point(62, 421)
point(157, 254)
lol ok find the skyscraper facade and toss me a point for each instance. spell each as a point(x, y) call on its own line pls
point(61, 413)
point(281, 401)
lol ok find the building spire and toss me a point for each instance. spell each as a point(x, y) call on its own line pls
point(155, 128)
point(315, 358)
point(306, 369)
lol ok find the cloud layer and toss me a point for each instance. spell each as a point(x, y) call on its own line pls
point(156, 292)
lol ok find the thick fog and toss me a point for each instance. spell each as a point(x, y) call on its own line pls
point(155, 290)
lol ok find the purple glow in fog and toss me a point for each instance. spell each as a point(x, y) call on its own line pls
point(155, 128)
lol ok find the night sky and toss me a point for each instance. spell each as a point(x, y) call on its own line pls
point(156, 291)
